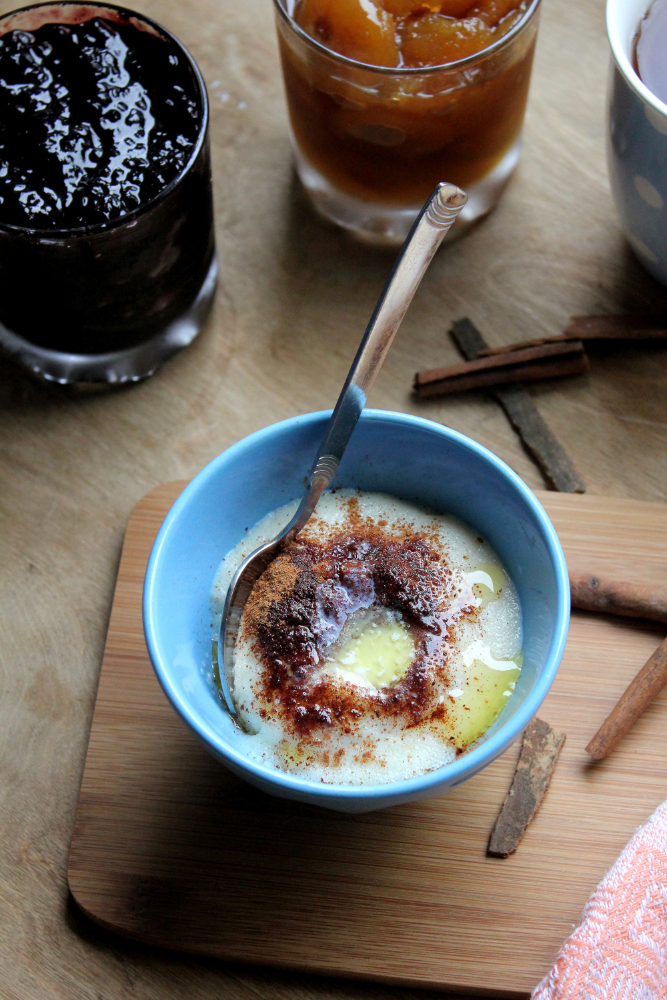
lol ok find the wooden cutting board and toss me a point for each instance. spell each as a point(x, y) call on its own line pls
point(170, 849)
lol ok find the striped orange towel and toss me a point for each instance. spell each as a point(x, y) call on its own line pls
point(619, 951)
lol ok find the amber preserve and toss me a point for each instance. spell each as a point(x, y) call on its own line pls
point(423, 92)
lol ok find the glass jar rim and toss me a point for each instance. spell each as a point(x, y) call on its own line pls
point(407, 71)
point(57, 235)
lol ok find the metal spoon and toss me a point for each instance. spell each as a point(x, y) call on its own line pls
point(426, 235)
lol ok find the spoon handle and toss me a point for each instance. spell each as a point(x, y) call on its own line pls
point(426, 235)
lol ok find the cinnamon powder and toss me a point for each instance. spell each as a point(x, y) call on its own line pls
point(314, 577)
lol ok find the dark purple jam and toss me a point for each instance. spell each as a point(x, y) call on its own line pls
point(95, 120)
point(106, 210)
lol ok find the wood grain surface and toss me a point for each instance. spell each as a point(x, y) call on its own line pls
point(294, 297)
point(171, 849)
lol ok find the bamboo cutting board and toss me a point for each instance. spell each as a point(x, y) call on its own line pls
point(171, 849)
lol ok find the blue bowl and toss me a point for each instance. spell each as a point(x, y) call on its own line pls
point(411, 458)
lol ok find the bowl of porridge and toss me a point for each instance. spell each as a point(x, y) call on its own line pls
point(396, 647)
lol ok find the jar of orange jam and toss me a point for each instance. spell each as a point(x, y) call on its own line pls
point(388, 97)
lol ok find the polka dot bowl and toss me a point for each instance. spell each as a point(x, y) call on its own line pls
point(637, 143)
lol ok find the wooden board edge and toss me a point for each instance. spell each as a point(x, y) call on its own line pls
point(164, 492)
point(170, 490)
point(449, 991)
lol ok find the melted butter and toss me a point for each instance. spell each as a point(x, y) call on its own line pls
point(479, 652)
point(379, 653)
point(480, 698)
point(487, 582)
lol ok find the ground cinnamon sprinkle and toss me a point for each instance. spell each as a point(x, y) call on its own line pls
point(276, 581)
point(405, 572)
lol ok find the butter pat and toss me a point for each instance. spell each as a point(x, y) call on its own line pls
point(379, 652)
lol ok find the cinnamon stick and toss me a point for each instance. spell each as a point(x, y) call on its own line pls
point(633, 702)
point(537, 760)
point(591, 328)
point(543, 361)
point(623, 327)
point(538, 439)
point(617, 597)
point(520, 345)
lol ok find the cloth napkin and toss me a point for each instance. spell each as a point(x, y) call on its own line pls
point(619, 951)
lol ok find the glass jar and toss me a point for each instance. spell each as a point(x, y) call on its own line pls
point(372, 142)
point(109, 302)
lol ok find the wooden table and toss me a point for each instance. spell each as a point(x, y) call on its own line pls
point(294, 297)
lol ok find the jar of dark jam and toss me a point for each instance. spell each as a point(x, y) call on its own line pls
point(107, 253)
